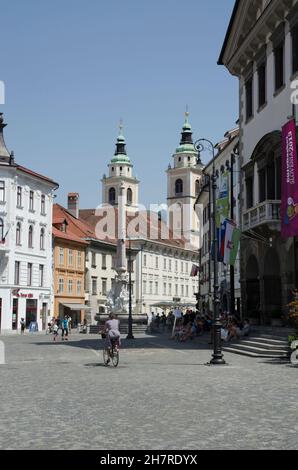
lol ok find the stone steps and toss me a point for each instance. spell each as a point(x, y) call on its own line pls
point(261, 345)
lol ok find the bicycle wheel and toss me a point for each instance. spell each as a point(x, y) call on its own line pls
point(115, 357)
point(106, 357)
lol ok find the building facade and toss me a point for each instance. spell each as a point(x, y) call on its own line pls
point(69, 255)
point(26, 283)
point(261, 49)
point(226, 151)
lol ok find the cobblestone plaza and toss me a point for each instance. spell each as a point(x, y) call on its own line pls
point(161, 396)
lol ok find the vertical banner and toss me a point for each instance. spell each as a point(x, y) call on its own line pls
point(289, 203)
point(222, 203)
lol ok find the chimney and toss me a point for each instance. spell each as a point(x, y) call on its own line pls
point(73, 204)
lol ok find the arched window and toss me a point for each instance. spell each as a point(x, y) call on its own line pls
point(112, 196)
point(129, 197)
point(30, 237)
point(42, 239)
point(179, 186)
point(18, 233)
point(1, 230)
point(197, 187)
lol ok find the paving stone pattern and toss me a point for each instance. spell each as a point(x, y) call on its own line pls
point(161, 396)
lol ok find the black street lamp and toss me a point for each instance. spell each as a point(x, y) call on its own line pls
point(130, 334)
point(217, 357)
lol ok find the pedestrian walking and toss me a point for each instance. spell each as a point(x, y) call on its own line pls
point(55, 331)
point(22, 324)
point(65, 328)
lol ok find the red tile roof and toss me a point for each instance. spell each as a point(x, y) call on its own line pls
point(77, 230)
point(68, 236)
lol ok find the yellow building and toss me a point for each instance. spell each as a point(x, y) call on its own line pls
point(69, 265)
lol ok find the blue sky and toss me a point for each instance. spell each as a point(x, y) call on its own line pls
point(73, 68)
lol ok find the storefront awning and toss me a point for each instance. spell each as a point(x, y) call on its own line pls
point(77, 306)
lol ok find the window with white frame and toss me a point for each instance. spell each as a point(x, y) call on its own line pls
point(19, 196)
point(61, 285)
point(17, 266)
point(18, 234)
point(170, 289)
point(31, 201)
point(165, 264)
point(42, 238)
point(79, 287)
point(70, 286)
point(164, 288)
point(61, 256)
point(30, 237)
point(156, 262)
point(145, 261)
point(43, 205)
point(41, 275)
point(144, 287)
point(94, 286)
point(79, 259)
point(104, 287)
point(70, 257)
point(150, 287)
point(29, 274)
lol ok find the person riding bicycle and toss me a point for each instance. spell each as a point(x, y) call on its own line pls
point(112, 327)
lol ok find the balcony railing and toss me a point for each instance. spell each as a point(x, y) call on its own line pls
point(266, 212)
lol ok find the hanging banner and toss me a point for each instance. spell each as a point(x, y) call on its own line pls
point(289, 203)
point(222, 203)
point(232, 241)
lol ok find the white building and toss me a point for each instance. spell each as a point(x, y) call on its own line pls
point(261, 49)
point(161, 264)
point(26, 200)
point(226, 150)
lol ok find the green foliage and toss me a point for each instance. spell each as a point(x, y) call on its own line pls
point(292, 338)
point(293, 312)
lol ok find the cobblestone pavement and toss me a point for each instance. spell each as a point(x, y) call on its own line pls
point(161, 396)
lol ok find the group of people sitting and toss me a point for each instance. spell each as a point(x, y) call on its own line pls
point(194, 324)
point(233, 327)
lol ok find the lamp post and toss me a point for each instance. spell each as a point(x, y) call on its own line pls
point(217, 357)
point(130, 334)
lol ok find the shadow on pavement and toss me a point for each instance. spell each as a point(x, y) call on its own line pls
point(145, 342)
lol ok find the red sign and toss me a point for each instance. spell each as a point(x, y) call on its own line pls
point(16, 293)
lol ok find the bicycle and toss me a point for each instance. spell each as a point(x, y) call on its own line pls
point(111, 354)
